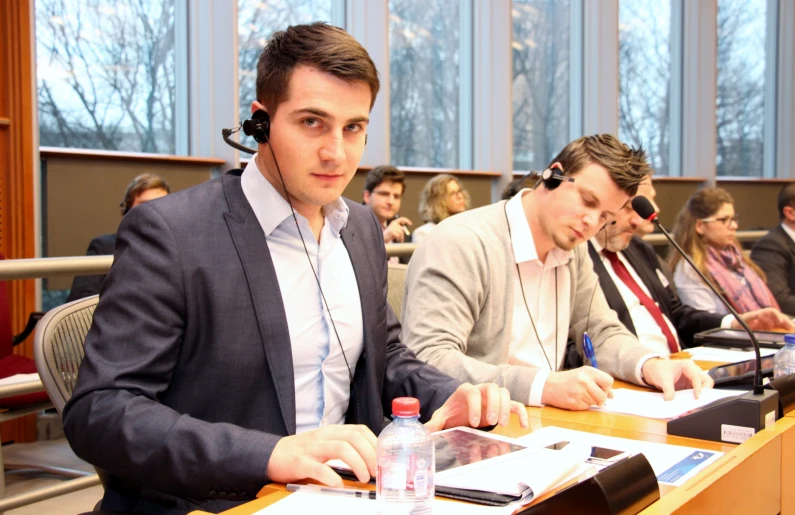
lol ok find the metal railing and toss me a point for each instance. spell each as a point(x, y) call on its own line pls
point(90, 265)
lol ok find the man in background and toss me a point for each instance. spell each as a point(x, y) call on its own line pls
point(383, 193)
point(498, 291)
point(143, 188)
point(775, 252)
point(637, 285)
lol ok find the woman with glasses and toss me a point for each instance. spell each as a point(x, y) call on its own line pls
point(705, 229)
point(442, 196)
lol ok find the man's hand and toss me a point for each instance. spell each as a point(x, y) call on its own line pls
point(477, 406)
point(767, 319)
point(677, 374)
point(577, 389)
point(394, 231)
point(304, 455)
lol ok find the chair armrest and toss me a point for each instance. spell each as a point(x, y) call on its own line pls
point(33, 319)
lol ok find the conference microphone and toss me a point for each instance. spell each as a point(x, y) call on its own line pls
point(731, 419)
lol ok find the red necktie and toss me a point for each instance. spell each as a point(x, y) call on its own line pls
point(622, 272)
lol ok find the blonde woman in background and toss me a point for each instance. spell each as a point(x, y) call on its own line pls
point(442, 196)
point(705, 229)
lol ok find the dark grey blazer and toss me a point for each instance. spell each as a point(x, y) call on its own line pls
point(775, 255)
point(687, 320)
point(87, 285)
point(187, 382)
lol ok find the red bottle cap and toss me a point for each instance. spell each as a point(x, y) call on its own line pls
point(405, 407)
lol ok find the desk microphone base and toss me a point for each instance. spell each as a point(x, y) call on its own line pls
point(747, 413)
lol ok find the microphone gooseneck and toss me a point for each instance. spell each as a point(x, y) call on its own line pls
point(644, 208)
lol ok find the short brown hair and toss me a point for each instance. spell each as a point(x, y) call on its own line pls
point(318, 45)
point(433, 199)
point(626, 166)
point(144, 182)
point(381, 174)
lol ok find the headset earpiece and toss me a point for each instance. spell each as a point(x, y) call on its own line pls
point(259, 127)
point(552, 177)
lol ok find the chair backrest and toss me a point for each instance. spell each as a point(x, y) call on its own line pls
point(58, 347)
point(395, 280)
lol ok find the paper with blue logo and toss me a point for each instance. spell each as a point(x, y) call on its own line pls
point(681, 469)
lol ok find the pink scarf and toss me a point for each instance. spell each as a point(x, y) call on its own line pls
point(745, 290)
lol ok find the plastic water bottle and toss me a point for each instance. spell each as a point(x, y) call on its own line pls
point(784, 362)
point(406, 462)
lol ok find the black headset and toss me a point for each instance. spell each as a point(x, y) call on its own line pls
point(258, 127)
point(553, 176)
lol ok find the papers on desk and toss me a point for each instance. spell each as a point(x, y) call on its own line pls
point(18, 379)
point(672, 464)
point(652, 405)
point(726, 355)
point(301, 502)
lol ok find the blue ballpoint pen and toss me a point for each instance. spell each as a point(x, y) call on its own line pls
point(587, 346)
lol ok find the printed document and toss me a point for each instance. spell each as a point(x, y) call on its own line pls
point(652, 405)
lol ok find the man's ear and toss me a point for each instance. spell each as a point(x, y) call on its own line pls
point(256, 106)
point(366, 197)
point(789, 213)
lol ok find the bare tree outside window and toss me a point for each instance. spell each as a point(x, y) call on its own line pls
point(645, 78)
point(256, 23)
point(106, 74)
point(540, 81)
point(424, 41)
point(741, 87)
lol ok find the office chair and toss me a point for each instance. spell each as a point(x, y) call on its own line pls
point(395, 281)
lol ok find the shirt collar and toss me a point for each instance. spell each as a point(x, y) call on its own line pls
point(271, 209)
point(524, 247)
point(789, 231)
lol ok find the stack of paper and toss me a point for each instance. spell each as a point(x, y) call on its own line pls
point(726, 355)
point(672, 464)
point(653, 405)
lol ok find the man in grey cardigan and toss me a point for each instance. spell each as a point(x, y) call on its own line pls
point(495, 295)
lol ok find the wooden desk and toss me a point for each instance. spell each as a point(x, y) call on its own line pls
point(754, 477)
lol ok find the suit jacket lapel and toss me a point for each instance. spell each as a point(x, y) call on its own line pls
point(648, 274)
point(785, 239)
point(365, 377)
point(613, 296)
point(266, 296)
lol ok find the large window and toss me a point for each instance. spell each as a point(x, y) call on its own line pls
point(106, 74)
point(256, 23)
point(644, 78)
point(540, 81)
point(424, 64)
point(741, 87)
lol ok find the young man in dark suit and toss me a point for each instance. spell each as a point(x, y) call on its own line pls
point(637, 286)
point(775, 252)
point(215, 364)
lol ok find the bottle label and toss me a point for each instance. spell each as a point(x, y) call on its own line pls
point(417, 477)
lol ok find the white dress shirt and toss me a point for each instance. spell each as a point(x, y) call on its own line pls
point(693, 292)
point(322, 381)
point(646, 328)
point(545, 303)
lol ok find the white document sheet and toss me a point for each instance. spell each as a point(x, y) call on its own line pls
point(652, 405)
point(19, 378)
point(301, 502)
point(726, 355)
point(672, 464)
point(513, 474)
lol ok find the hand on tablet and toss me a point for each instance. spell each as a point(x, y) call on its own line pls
point(767, 319)
point(477, 406)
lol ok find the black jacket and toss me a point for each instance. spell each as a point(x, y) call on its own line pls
point(687, 320)
point(775, 255)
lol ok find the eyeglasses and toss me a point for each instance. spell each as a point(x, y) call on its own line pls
point(455, 193)
point(725, 220)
